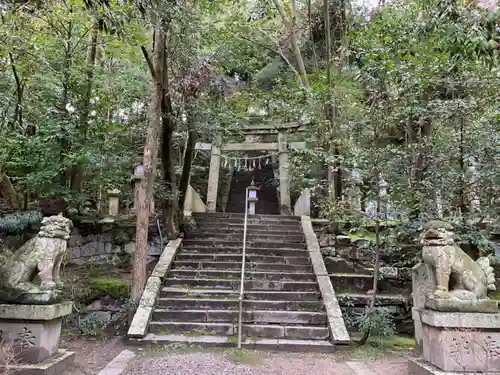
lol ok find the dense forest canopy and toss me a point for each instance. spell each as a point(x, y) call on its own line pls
point(405, 92)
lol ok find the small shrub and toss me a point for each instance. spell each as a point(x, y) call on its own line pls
point(379, 322)
point(92, 326)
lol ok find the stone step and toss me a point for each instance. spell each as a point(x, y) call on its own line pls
point(235, 265)
point(205, 243)
point(250, 221)
point(232, 304)
point(248, 316)
point(186, 256)
point(223, 236)
point(232, 294)
point(289, 345)
point(236, 275)
point(363, 299)
point(249, 284)
point(250, 251)
point(253, 228)
point(231, 215)
point(351, 282)
point(251, 330)
point(255, 231)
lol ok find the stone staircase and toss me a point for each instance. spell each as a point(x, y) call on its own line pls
point(282, 309)
point(268, 198)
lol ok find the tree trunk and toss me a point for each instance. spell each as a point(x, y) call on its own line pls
point(171, 204)
point(77, 171)
point(65, 142)
point(188, 161)
point(145, 191)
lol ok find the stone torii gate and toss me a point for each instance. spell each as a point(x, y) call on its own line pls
point(251, 133)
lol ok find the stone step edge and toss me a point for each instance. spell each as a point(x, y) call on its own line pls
point(238, 249)
point(247, 272)
point(163, 310)
point(235, 299)
point(238, 280)
point(235, 324)
point(270, 257)
point(167, 289)
point(247, 262)
point(318, 346)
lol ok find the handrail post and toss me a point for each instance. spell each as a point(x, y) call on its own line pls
point(242, 282)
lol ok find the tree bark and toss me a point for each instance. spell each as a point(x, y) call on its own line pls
point(291, 27)
point(171, 204)
point(145, 190)
point(188, 161)
point(77, 171)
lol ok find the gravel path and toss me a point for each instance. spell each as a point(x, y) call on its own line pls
point(253, 363)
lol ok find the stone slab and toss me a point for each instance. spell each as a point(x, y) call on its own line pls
point(118, 364)
point(456, 319)
point(360, 368)
point(289, 345)
point(336, 324)
point(417, 366)
point(140, 322)
point(35, 312)
point(55, 365)
point(166, 258)
point(465, 306)
point(151, 291)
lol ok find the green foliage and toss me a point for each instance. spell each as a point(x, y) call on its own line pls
point(109, 286)
point(379, 322)
point(18, 222)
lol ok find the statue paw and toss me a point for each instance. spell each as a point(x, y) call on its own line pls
point(47, 285)
point(59, 285)
point(441, 294)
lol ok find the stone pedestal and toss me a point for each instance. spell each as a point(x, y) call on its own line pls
point(457, 343)
point(34, 332)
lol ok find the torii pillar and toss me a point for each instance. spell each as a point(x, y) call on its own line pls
point(285, 201)
point(213, 175)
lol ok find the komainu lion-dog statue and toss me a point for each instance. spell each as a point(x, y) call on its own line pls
point(41, 256)
point(457, 275)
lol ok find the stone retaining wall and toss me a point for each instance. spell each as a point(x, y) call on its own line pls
point(95, 242)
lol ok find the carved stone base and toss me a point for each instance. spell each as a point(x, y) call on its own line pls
point(417, 366)
point(460, 342)
point(54, 365)
point(465, 306)
point(32, 330)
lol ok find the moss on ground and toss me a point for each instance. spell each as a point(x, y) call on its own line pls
point(109, 286)
point(85, 284)
point(376, 348)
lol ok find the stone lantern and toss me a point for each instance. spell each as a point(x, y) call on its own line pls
point(252, 197)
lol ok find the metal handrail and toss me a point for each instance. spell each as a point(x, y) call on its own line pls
point(242, 282)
